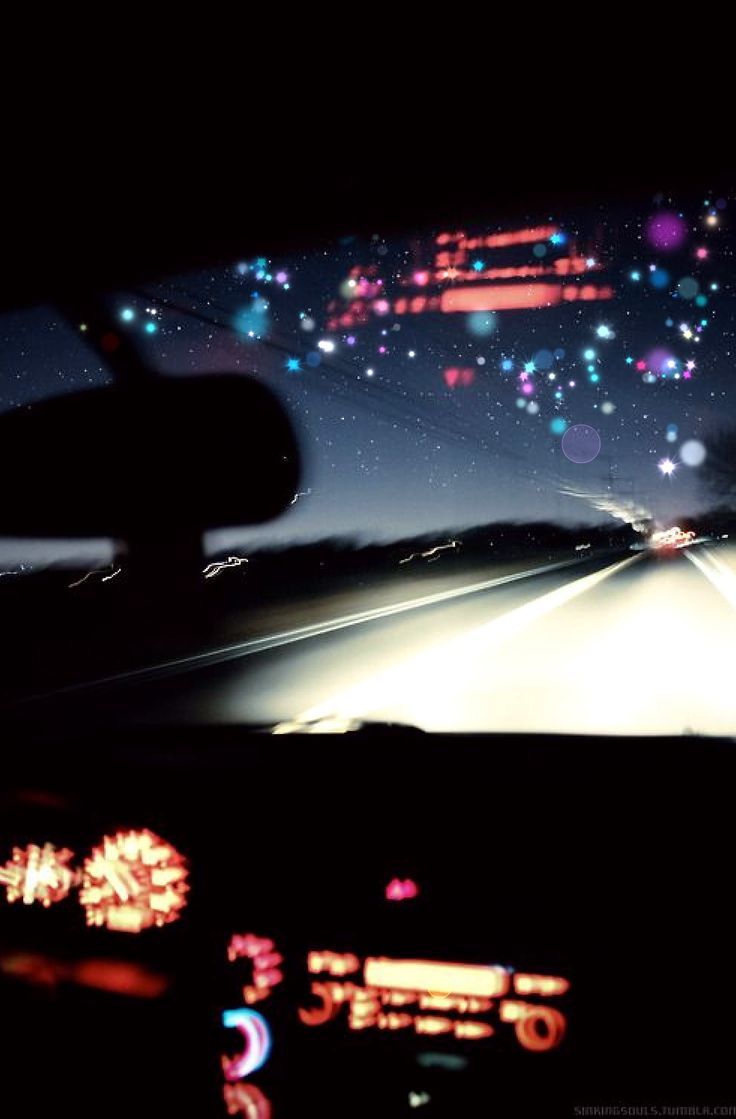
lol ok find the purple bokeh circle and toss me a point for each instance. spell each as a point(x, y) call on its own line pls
point(666, 231)
point(581, 443)
point(658, 360)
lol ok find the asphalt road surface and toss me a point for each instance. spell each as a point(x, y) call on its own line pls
point(637, 643)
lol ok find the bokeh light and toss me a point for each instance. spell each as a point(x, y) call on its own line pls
point(688, 287)
point(482, 323)
point(581, 444)
point(666, 231)
point(692, 452)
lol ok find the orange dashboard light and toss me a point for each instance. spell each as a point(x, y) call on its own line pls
point(394, 1021)
point(246, 1100)
point(253, 995)
point(269, 960)
point(540, 984)
point(433, 1001)
point(537, 1027)
point(463, 1005)
point(336, 963)
point(267, 978)
point(432, 1025)
point(549, 1037)
point(398, 998)
point(511, 1010)
point(429, 976)
point(477, 1006)
point(121, 977)
point(133, 881)
point(265, 960)
point(248, 945)
point(364, 1008)
point(472, 1031)
point(331, 996)
point(38, 874)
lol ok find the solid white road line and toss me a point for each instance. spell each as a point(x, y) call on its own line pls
point(303, 633)
point(429, 668)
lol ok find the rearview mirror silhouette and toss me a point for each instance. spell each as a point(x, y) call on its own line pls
point(162, 460)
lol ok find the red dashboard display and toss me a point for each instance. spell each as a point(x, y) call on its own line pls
point(131, 881)
point(430, 998)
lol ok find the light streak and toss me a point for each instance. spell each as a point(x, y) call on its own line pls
point(717, 573)
point(431, 552)
point(97, 571)
point(213, 569)
point(302, 493)
point(83, 579)
point(305, 633)
point(392, 690)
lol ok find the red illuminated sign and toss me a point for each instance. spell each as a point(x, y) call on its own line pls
point(464, 285)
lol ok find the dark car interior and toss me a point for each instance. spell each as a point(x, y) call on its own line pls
point(207, 919)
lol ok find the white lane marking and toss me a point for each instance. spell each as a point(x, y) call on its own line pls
point(429, 668)
point(303, 633)
point(717, 573)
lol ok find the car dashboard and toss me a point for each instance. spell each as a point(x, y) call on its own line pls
point(218, 922)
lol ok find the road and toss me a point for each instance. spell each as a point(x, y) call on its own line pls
point(628, 644)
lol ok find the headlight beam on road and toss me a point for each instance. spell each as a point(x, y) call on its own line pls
point(428, 671)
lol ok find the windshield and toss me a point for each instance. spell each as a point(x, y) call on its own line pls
point(517, 498)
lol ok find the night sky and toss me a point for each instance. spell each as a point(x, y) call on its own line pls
point(428, 422)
